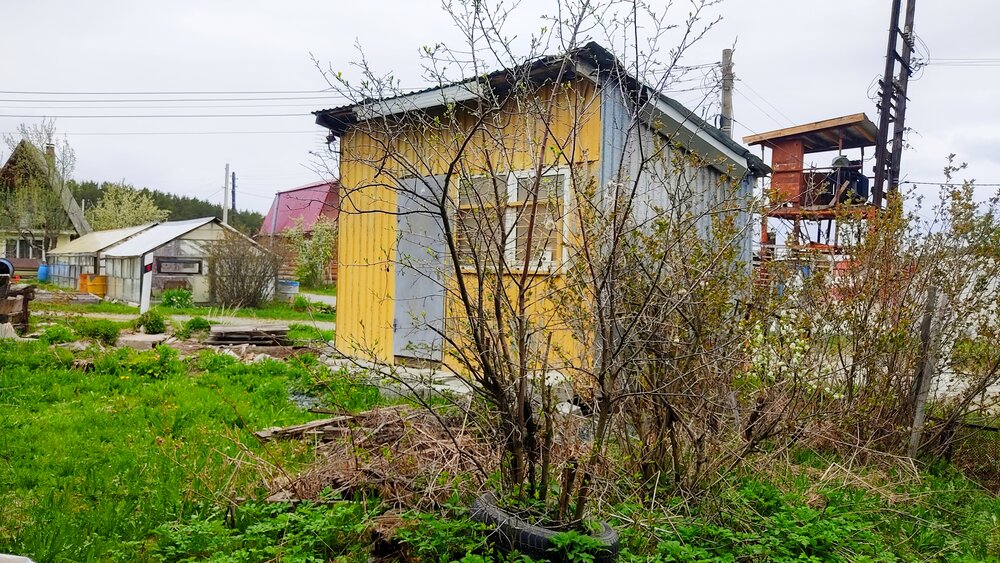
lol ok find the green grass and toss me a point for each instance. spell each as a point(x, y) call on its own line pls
point(275, 311)
point(787, 514)
point(102, 307)
point(92, 463)
point(307, 334)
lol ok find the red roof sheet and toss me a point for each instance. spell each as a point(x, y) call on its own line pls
point(302, 206)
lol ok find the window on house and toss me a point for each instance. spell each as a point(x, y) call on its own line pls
point(498, 212)
point(178, 266)
point(481, 219)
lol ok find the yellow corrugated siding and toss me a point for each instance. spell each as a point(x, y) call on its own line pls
point(367, 241)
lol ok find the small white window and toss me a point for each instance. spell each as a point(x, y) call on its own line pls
point(496, 213)
point(178, 266)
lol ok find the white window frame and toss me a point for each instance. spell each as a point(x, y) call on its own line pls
point(511, 212)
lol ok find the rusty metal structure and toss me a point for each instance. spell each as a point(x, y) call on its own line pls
point(811, 198)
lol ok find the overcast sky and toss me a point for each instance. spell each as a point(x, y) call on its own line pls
point(796, 61)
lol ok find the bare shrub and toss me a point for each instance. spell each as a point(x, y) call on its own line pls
point(241, 273)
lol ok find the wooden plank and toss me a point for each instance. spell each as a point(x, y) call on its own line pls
point(300, 429)
point(854, 119)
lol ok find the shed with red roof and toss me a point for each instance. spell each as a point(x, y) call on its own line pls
point(301, 208)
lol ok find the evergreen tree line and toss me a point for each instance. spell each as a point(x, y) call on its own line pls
point(89, 193)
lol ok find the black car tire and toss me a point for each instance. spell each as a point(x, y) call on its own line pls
point(511, 533)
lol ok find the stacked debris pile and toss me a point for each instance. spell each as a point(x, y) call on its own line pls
point(406, 456)
point(258, 335)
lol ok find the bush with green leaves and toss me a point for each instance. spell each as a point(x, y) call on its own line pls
point(193, 325)
point(300, 303)
point(271, 532)
point(314, 250)
point(57, 334)
point(101, 330)
point(152, 322)
point(177, 299)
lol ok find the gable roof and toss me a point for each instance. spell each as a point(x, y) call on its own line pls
point(301, 206)
point(26, 160)
point(98, 240)
point(598, 63)
point(156, 236)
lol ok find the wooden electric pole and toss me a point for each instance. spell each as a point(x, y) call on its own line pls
point(726, 123)
point(225, 198)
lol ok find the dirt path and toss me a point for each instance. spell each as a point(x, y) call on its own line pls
point(322, 325)
point(330, 300)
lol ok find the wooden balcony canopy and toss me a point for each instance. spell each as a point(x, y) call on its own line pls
point(847, 132)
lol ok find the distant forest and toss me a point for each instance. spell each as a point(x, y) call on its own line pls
point(180, 207)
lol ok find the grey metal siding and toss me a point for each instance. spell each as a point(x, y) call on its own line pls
point(420, 292)
point(644, 162)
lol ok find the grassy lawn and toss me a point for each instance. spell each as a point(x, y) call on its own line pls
point(140, 458)
point(276, 311)
point(93, 464)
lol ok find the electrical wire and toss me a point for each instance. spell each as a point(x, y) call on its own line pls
point(762, 110)
point(165, 92)
point(171, 100)
point(952, 184)
point(765, 100)
point(153, 116)
point(118, 133)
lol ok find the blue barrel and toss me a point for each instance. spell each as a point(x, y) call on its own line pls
point(287, 290)
point(43, 272)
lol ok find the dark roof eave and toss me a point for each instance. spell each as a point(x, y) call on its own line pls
point(338, 120)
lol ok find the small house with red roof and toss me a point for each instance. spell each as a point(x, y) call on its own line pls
point(301, 208)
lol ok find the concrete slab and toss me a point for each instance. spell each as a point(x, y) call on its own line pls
point(140, 341)
point(7, 331)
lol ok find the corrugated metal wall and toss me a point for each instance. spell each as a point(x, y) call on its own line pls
point(65, 269)
point(668, 180)
point(367, 242)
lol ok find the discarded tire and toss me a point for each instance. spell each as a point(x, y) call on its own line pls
point(511, 533)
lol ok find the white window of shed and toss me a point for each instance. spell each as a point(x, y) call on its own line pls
point(180, 267)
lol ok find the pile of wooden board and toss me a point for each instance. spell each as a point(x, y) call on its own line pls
point(257, 335)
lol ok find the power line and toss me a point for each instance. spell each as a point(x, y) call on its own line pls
point(115, 134)
point(173, 100)
point(952, 184)
point(762, 110)
point(165, 92)
point(181, 116)
point(766, 101)
point(187, 106)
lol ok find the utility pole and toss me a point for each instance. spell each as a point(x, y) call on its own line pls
point(892, 102)
point(726, 123)
point(225, 196)
point(930, 328)
point(234, 192)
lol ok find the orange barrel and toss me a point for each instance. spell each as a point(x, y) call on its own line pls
point(83, 282)
point(98, 285)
